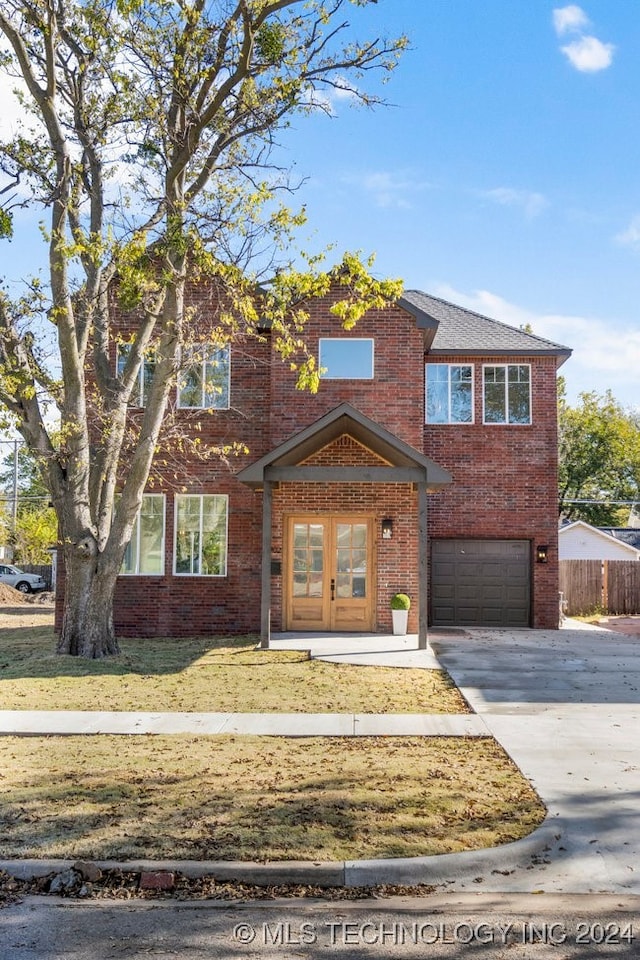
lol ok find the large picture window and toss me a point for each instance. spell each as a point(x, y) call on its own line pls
point(507, 393)
point(145, 550)
point(449, 393)
point(204, 381)
point(345, 358)
point(140, 391)
point(201, 535)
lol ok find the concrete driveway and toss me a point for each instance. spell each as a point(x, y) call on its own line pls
point(566, 707)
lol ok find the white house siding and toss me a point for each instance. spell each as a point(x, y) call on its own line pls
point(581, 542)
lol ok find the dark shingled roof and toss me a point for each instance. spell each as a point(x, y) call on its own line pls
point(628, 535)
point(456, 330)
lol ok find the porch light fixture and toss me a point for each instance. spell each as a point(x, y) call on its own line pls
point(387, 528)
point(542, 553)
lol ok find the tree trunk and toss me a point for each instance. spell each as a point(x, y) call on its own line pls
point(89, 587)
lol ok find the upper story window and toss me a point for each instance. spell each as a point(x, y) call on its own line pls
point(346, 358)
point(200, 547)
point(449, 393)
point(140, 391)
point(145, 550)
point(507, 393)
point(204, 382)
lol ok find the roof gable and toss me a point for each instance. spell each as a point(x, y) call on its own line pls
point(456, 330)
point(628, 535)
point(345, 419)
point(600, 533)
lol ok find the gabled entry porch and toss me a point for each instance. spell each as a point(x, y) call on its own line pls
point(326, 492)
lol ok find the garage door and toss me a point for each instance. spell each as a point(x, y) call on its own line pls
point(480, 583)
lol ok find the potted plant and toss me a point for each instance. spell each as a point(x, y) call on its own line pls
point(400, 604)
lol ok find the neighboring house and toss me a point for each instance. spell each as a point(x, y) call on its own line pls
point(426, 463)
point(628, 535)
point(581, 541)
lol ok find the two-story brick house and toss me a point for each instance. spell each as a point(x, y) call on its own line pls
point(426, 463)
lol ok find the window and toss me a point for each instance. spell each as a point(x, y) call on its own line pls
point(201, 535)
point(347, 358)
point(139, 392)
point(507, 394)
point(145, 550)
point(204, 382)
point(449, 393)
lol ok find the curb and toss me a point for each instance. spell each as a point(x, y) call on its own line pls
point(439, 869)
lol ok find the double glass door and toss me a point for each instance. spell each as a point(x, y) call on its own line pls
point(329, 574)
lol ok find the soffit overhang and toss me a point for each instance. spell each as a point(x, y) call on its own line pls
point(427, 324)
point(405, 463)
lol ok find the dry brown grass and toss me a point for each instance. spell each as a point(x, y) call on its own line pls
point(201, 674)
point(257, 798)
point(246, 798)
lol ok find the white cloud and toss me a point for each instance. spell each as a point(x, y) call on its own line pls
point(340, 90)
point(531, 203)
point(606, 354)
point(390, 189)
point(588, 54)
point(631, 236)
point(571, 19)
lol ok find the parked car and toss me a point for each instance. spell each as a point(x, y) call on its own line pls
point(24, 582)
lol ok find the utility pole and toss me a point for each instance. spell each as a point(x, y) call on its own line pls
point(14, 502)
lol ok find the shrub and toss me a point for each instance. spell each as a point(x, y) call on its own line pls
point(400, 601)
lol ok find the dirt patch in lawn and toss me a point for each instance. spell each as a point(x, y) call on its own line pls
point(258, 798)
point(630, 626)
point(201, 674)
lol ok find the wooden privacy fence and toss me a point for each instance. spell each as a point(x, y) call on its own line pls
point(610, 586)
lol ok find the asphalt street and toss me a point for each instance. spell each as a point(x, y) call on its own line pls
point(513, 927)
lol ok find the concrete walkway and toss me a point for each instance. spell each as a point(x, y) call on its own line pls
point(564, 704)
point(89, 722)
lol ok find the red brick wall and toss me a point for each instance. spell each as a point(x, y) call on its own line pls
point(504, 479)
point(394, 398)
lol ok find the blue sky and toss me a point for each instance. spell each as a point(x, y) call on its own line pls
point(505, 176)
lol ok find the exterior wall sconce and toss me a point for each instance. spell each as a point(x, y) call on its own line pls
point(387, 528)
point(542, 553)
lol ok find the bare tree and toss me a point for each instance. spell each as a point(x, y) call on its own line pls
point(147, 139)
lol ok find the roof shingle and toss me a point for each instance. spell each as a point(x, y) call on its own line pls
point(463, 331)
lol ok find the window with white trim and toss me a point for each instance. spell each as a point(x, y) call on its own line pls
point(507, 393)
point(140, 389)
point(144, 554)
point(449, 393)
point(345, 358)
point(204, 381)
point(200, 543)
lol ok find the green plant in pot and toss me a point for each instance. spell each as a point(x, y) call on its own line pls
point(400, 605)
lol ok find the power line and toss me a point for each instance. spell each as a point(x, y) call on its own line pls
point(603, 502)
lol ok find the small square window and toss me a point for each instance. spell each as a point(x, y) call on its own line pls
point(346, 358)
point(200, 539)
point(140, 391)
point(449, 390)
point(145, 551)
point(204, 381)
point(507, 393)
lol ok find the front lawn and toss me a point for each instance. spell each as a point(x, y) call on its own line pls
point(200, 674)
point(257, 798)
